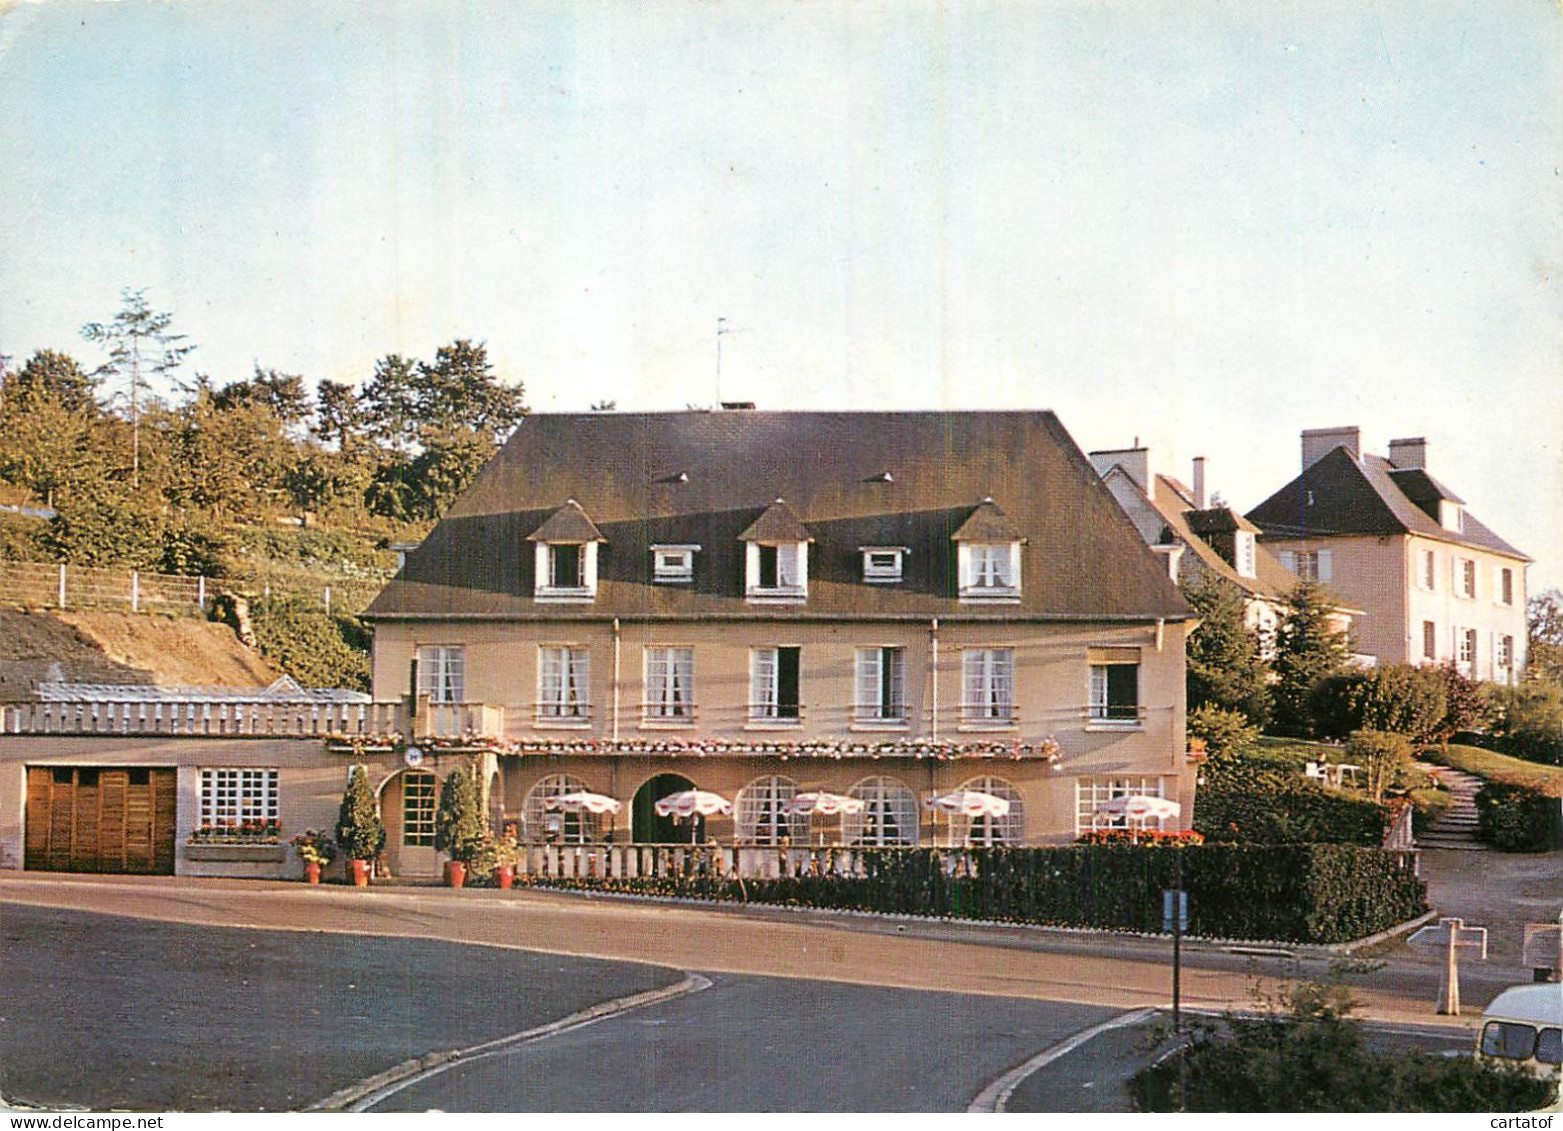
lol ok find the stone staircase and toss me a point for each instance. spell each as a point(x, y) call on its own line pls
point(1456, 827)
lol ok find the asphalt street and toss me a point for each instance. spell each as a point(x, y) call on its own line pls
point(764, 1044)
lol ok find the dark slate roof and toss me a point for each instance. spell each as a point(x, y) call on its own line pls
point(988, 524)
point(1344, 494)
point(1174, 502)
point(1423, 490)
point(779, 523)
point(1218, 520)
point(567, 524)
point(1084, 559)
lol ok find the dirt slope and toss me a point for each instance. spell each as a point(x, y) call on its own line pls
point(103, 647)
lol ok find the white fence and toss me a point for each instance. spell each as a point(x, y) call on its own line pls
point(58, 586)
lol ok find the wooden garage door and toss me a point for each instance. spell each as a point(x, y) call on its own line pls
point(100, 819)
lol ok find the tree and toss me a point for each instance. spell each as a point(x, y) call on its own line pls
point(450, 460)
point(139, 344)
point(98, 526)
point(1390, 697)
point(49, 376)
point(1545, 659)
point(390, 402)
point(1308, 648)
point(339, 417)
point(458, 821)
point(1228, 735)
point(1225, 667)
point(1382, 755)
point(359, 830)
point(283, 394)
point(1465, 706)
point(232, 453)
point(459, 390)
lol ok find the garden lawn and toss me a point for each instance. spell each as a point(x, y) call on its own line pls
point(1499, 767)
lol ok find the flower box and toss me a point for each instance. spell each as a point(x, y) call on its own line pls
point(235, 853)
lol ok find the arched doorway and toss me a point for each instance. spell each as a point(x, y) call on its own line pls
point(652, 829)
point(408, 799)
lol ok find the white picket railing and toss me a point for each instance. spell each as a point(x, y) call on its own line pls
point(249, 719)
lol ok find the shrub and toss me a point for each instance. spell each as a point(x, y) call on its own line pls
point(1517, 818)
point(1228, 735)
point(317, 648)
point(1383, 757)
point(458, 821)
point(359, 830)
point(1392, 697)
point(1528, 721)
point(1254, 805)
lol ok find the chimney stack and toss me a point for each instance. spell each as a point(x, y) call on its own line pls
point(1408, 453)
point(1135, 461)
point(1199, 483)
point(1320, 442)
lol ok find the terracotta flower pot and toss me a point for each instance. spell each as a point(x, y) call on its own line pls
point(311, 873)
point(360, 871)
point(456, 874)
point(506, 875)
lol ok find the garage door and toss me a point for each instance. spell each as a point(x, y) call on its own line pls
point(100, 819)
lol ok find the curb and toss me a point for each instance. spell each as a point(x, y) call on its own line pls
point(357, 1097)
point(995, 1097)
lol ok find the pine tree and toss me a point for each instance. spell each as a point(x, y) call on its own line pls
point(1225, 668)
point(458, 822)
point(359, 830)
point(1308, 648)
point(139, 345)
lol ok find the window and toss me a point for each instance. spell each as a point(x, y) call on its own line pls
point(442, 673)
point(1091, 793)
point(1465, 645)
point(1505, 652)
point(538, 822)
point(1244, 553)
point(989, 832)
point(564, 686)
point(418, 809)
point(1428, 576)
point(759, 818)
point(881, 685)
point(673, 564)
point(1115, 687)
point(889, 815)
point(988, 686)
point(1506, 586)
point(566, 572)
point(1464, 578)
point(882, 564)
point(566, 566)
point(776, 570)
point(1429, 640)
point(1310, 565)
point(1549, 1046)
point(239, 799)
point(774, 685)
point(1509, 1040)
point(670, 682)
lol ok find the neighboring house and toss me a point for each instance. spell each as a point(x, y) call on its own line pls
point(1436, 585)
point(884, 605)
point(1198, 540)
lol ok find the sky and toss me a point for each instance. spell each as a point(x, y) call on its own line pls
point(1203, 226)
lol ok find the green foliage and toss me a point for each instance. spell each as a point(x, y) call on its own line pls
point(1428, 804)
point(106, 528)
point(1225, 668)
point(1383, 756)
point(1391, 697)
point(21, 537)
point(1298, 893)
point(1518, 818)
point(1257, 805)
point(1313, 1058)
point(1308, 649)
point(1527, 721)
point(50, 377)
point(1500, 767)
point(193, 551)
point(458, 820)
point(1228, 735)
point(359, 830)
point(1544, 658)
point(316, 648)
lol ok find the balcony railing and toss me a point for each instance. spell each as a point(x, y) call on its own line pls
point(253, 719)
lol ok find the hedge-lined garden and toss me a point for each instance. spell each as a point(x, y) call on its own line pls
point(1310, 893)
point(1520, 805)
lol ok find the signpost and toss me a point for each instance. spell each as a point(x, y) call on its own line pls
point(1450, 935)
point(1175, 918)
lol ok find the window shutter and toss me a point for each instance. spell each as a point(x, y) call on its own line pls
point(1289, 559)
point(1325, 570)
point(868, 677)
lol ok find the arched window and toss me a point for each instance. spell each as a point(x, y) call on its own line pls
point(985, 832)
point(760, 819)
point(888, 817)
point(538, 823)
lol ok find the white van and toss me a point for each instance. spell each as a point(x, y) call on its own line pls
point(1524, 1027)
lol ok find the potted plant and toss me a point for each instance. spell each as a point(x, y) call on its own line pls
point(458, 824)
point(507, 853)
point(359, 830)
point(316, 850)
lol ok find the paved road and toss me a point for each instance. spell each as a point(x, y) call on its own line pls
point(765, 1044)
point(104, 1011)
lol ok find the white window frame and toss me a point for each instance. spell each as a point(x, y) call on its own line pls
point(1245, 554)
point(765, 688)
point(230, 796)
point(1317, 566)
point(1503, 590)
point(989, 571)
point(546, 590)
point(1427, 571)
point(758, 816)
point(883, 565)
point(1463, 578)
point(1100, 714)
point(564, 688)
point(442, 673)
point(988, 688)
point(1466, 642)
point(887, 802)
point(568, 828)
point(674, 564)
point(1091, 792)
point(876, 685)
point(991, 832)
point(669, 685)
point(792, 573)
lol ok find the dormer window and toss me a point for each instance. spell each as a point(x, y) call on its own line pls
point(565, 556)
point(776, 557)
point(988, 555)
point(673, 564)
point(1451, 515)
point(882, 564)
point(1244, 553)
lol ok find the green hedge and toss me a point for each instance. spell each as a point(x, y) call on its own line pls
point(1316, 893)
point(1518, 818)
point(1271, 806)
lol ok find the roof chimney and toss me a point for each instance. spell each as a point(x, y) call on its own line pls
point(1408, 453)
point(1136, 463)
point(1320, 442)
point(1199, 483)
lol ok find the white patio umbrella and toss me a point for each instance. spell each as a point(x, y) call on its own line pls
point(582, 801)
point(688, 802)
point(825, 804)
point(968, 803)
point(1140, 807)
